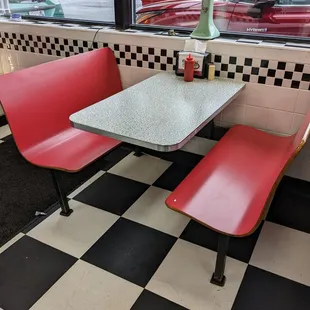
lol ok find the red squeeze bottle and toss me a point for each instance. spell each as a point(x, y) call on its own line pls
point(189, 69)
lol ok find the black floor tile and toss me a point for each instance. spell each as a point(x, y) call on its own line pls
point(291, 204)
point(239, 248)
point(262, 290)
point(150, 301)
point(27, 270)
point(3, 120)
point(128, 146)
point(112, 193)
point(114, 157)
point(151, 152)
point(131, 251)
point(207, 131)
point(173, 176)
point(183, 158)
point(7, 138)
point(219, 133)
point(180, 157)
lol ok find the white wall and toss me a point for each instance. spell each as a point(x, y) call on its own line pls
point(274, 109)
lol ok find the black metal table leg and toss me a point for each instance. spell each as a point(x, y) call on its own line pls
point(211, 132)
point(138, 152)
point(218, 277)
point(65, 209)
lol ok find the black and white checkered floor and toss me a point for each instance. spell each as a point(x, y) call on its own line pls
point(123, 249)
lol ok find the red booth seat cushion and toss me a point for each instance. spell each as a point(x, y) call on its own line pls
point(228, 190)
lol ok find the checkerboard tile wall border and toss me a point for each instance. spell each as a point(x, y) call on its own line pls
point(128, 55)
point(262, 71)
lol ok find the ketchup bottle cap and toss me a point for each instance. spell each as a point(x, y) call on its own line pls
point(189, 57)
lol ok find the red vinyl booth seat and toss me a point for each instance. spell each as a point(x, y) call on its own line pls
point(231, 189)
point(38, 102)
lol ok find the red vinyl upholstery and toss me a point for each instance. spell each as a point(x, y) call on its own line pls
point(229, 190)
point(38, 102)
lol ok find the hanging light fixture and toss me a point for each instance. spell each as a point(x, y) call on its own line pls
point(206, 29)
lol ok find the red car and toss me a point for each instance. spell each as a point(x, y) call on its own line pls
point(282, 17)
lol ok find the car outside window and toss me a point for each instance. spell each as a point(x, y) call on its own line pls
point(90, 10)
point(264, 17)
point(248, 1)
point(293, 2)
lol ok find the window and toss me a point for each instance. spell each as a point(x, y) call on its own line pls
point(263, 17)
point(92, 10)
point(277, 18)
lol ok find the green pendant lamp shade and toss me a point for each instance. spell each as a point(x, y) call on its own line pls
point(206, 30)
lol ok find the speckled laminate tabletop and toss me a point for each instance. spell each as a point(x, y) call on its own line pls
point(160, 113)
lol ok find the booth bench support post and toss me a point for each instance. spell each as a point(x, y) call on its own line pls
point(138, 152)
point(218, 277)
point(65, 209)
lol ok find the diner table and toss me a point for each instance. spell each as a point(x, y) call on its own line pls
point(160, 113)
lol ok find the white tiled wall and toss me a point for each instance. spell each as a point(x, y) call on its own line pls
point(12, 61)
point(275, 109)
point(133, 75)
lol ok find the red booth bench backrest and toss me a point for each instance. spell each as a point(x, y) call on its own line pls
point(39, 100)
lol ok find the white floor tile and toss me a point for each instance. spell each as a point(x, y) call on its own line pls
point(4, 131)
point(1, 141)
point(85, 286)
point(184, 277)
point(198, 145)
point(283, 251)
point(12, 241)
point(150, 209)
point(86, 184)
point(146, 169)
point(78, 232)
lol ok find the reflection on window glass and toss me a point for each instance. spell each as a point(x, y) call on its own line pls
point(277, 17)
point(96, 10)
